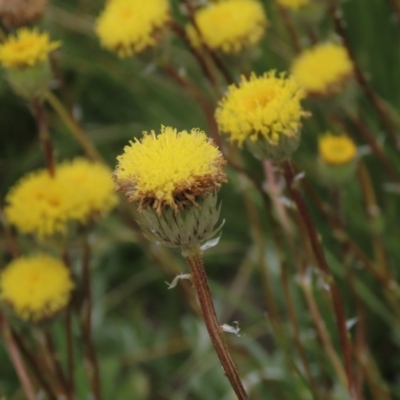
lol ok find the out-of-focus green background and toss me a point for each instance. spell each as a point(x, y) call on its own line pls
point(151, 345)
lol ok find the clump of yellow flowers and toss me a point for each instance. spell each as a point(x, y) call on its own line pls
point(337, 158)
point(25, 56)
point(229, 26)
point(36, 287)
point(323, 69)
point(265, 113)
point(129, 27)
point(173, 178)
point(43, 205)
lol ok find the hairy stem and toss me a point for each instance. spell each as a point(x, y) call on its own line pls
point(199, 279)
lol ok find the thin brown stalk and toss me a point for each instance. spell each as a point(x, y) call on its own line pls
point(34, 366)
point(55, 364)
point(201, 60)
point(323, 332)
point(44, 136)
point(217, 61)
point(86, 324)
point(323, 265)
point(200, 98)
point(290, 28)
point(68, 330)
point(340, 26)
point(73, 126)
point(200, 282)
point(373, 144)
point(16, 359)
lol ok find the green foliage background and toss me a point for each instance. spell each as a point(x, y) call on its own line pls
point(151, 345)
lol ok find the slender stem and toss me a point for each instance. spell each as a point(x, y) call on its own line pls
point(200, 283)
point(201, 99)
point(73, 126)
point(86, 324)
point(289, 27)
point(44, 136)
point(202, 61)
point(275, 192)
point(55, 363)
point(322, 331)
point(70, 348)
point(218, 63)
point(34, 365)
point(340, 26)
point(323, 265)
point(68, 330)
point(373, 144)
point(16, 359)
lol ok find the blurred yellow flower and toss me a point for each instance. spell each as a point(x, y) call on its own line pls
point(129, 27)
point(43, 205)
point(293, 4)
point(26, 49)
point(96, 194)
point(267, 106)
point(229, 25)
point(169, 169)
point(36, 287)
point(336, 150)
point(323, 69)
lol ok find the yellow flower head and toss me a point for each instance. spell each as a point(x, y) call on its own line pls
point(267, 106)
point(323, 69)
point(229, 25)
point(27, 48)
point(169, 169)
point(336, 150)
point(44, 205)
point(293, 4)
point(129, 27)
point(36, 287)
point(96, 194)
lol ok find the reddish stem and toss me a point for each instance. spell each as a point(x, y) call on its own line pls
point(200, 283)
point(323, 265)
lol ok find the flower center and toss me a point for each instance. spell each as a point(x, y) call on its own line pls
point(260, 99)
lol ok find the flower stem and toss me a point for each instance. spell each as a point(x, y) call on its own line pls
point(75, 129)
point(323, 265)
point(340, 26)
point(44, 137)
point(200, 282)
point(86, 324)
point(17, 359)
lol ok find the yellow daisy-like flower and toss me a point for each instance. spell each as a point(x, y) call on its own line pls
point(92, 181)
point(294, 4)
point(169, 169)
point(229, 25)
point(129, 27)
point(36, 287)
point(267, 106)
point(43, 205)
point(336, 150)
point(323, 69)
point(26, 49)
